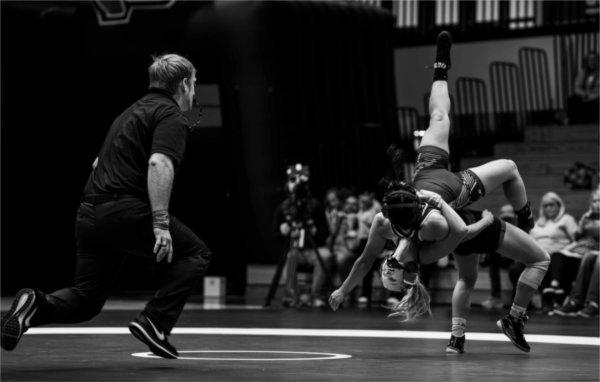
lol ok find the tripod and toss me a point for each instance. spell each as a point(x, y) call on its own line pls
point(289, 245)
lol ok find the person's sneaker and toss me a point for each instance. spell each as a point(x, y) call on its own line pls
point(456, 345)
point(569, 309)
point(363, 302)
point(492, 303)
point(304, 301)
point(146, 331)
point(288, 302)
point(392, 301)
point(513, 327)
point(559, 297)
point(444, 43)
point(591, 310)
point(319, 303)
point(16, 321)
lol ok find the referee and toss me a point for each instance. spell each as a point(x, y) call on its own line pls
point(125, 211)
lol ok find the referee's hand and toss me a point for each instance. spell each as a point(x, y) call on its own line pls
point(163, 246)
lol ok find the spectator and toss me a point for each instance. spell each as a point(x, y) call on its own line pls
point(583, 300)
point(368, 207)
point(554, 231)
point(583, 105)
point(586, 240)
point(296, 215)
point(332, 213)
point(494, 262)
point(343, 237)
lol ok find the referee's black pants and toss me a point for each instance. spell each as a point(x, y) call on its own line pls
point(107, 233)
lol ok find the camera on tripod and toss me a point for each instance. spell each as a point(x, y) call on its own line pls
point(297, 215)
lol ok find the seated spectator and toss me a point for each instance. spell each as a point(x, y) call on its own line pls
point(554, 230)
point(494, 262)
point(368, 207)
point(586, 238)
point(583, 299)
point(299, 220)
point(579, 177)
point(583, 105)
point(342, 239)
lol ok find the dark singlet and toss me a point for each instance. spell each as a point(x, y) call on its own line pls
point(431, 173)
point(487, 241)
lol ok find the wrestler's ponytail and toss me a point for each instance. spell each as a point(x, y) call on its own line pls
point(415, 303)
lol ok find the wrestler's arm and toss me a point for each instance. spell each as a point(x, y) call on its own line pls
point(475, 229)
point(455, 229)
point(374, 247)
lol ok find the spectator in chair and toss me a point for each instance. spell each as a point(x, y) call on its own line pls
point(368, 207)
point(586, 244)
point(344, 240)
point(554, 230)
point(583, 299)
point(583, 105)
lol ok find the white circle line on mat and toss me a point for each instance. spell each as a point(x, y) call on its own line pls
point(319, 356)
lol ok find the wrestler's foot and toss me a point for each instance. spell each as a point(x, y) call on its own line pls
point(525, 218)
point(513, 327)
point(16, 321)
point(442, 56)
point(456, 345)
point(146, 331)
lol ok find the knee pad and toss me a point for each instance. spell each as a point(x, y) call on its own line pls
point(534, 273)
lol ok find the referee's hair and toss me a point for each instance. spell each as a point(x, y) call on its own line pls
point(167, 71)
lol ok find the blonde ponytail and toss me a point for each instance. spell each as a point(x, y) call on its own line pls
point(415, 303)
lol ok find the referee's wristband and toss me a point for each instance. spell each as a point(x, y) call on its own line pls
point(160, 219)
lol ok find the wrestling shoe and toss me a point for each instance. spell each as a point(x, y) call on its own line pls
point(513, 327)
point(16, 321)
point(591, 310)
point(525, 218)
point(144, 330)
point(442, 54)
point(456, 345)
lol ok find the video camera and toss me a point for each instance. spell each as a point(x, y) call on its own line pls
point(298, 176)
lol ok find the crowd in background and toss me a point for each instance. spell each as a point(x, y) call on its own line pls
point(339, 232)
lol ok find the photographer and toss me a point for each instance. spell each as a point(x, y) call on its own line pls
point(301, 221)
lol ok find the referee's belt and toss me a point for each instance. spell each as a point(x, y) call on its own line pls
point(96, 199)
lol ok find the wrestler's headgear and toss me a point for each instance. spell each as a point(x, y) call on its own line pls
point(394, 274)
point(402, 207)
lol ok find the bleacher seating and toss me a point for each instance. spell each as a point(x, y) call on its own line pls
point(547, 151)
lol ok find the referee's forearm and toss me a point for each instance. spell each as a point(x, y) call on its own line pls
point(160, 181)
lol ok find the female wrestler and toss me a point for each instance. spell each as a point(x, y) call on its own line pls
point(465, 187)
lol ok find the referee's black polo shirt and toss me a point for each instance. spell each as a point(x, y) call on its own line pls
point(153, 124)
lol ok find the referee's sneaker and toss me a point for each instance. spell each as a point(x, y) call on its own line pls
point(17, 320)
point(146, 331)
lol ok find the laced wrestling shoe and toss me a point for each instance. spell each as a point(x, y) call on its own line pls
point(569, 309)
point(16, 321)
point(442, 55)
point(525, 219)
point(591, 310)
point(456, 345)
point(512, 327)
point(144, 330)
